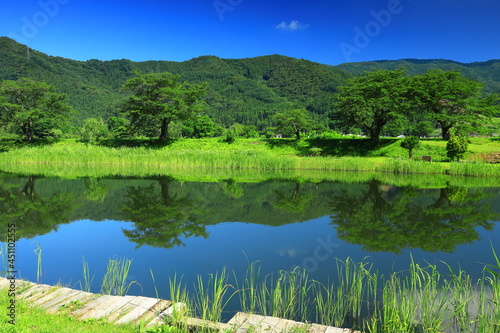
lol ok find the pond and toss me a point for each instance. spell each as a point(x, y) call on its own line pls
point(197, 228)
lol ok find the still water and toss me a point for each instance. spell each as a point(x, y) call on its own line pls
point(193, 228)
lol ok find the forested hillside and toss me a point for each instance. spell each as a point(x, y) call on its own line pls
point(246, 91)
point(487, 72)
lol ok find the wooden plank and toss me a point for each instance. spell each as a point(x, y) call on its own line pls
point(57, 292)
point(316, 328)
point(4, 283)
point(138, 307)
point(206, 324)
point(253, 321)
point(331, 329)
point(269, 324)
point(285, 325)
point(102, 306)
point(154, 311)
point(61, 298)
point(34, 292)
point(83, 296)
point(238, 319)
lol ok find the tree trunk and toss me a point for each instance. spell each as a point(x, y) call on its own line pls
point(297, 134)
point(164, 129)
point(445, 131)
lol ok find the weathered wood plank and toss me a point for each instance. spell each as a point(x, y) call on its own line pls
point(55, 293)
point(154, 312)
point(35, 292)
point(83, 297)
point(238, 319)
point(137, 308)
point(102, 306)
point(316, 328)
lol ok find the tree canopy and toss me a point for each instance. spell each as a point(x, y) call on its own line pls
point(159, 99)
point(31, 105)
point(372, 101)
point(449, 99)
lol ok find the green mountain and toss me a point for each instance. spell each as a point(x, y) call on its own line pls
point(247, 91)
point(487, 72)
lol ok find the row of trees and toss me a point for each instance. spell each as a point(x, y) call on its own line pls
point(393, 98)
point(371, 103)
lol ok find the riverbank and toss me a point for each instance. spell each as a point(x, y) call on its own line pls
point(142, 158)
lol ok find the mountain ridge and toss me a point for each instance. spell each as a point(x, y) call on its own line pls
point(248, 91)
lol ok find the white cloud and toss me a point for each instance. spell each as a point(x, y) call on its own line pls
point(292, 26)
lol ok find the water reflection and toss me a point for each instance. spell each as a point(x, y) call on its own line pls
point(390, 219)
point(166, 212)
point(33, 214)
point(161, 218)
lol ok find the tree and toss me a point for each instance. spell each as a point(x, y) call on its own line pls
point(410, 143)
point(372, 101)
point(449, 99)
point(457, 147)
point(93, 130)
point(26, 104)
point(297, 120)
point(159, 99)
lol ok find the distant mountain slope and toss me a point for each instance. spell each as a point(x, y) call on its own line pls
point(487, 72)
point(248, 91)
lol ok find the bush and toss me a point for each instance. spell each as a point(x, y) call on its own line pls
point(93, 130)
point(410, 143)
point(229, 137)
point(457, 147)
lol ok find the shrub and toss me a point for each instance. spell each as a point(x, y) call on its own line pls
point(410, 143)
point(457, 147)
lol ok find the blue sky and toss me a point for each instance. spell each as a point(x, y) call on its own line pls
point(330, 32)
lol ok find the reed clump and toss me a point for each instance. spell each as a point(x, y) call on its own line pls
point(421, 299)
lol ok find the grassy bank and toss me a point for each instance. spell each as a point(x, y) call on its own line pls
point(136, 158)
point(31, 319)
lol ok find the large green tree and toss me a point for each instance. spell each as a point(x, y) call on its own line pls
point(296, 121)
point(159, 99)
point(450, 99)
point(27, 104)
point(372, 101)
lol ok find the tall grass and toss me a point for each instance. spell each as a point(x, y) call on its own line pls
point(419, 300)
point(114, 281)
point(214, 156)
point(87, 280)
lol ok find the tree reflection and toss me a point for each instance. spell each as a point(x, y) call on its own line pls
point(33, 214)
point(294, 201)
point(381, 224)
point(161, 219)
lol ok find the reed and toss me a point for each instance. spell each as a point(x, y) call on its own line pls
point(114, 281)
point(87, 279)
point(39, 270)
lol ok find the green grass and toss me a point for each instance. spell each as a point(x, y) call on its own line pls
point(34, 319)
point(72, 158)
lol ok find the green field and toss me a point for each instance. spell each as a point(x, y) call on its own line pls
point(283, 157)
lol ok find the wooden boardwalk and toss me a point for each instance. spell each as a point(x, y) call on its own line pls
point(145, 310)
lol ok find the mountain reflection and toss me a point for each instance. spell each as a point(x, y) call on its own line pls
point(163, 211)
